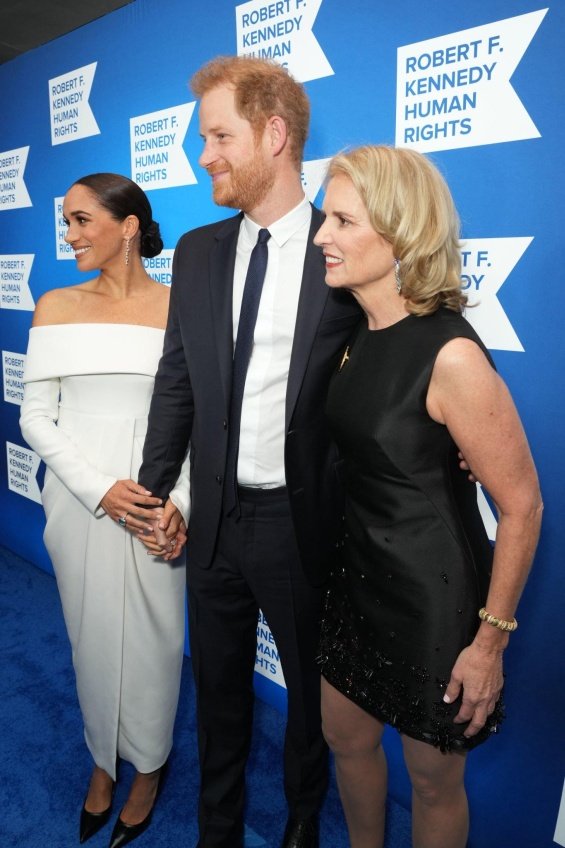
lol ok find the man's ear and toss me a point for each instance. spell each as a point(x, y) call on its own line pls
point(277, 134)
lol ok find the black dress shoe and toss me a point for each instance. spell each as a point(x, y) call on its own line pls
point(302, 833)
point(124, 833)
point(91, 823)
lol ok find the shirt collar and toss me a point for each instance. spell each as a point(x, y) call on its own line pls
point(283, 229)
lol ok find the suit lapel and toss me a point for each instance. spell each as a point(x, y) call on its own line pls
point(222, 263)
point(311, 302)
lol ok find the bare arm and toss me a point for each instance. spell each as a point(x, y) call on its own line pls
point(468, 396)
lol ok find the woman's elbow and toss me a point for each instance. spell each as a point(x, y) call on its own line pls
point(29, 426)
point(537, 509)
point(24, 425)
point(523, 506)
point(534, 498)
point(529, 510)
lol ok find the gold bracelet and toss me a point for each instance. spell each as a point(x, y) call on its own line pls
point(501, 623)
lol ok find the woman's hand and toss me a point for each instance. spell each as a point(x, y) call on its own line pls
point(478, 672)
point(168, 534)
point(122, 501)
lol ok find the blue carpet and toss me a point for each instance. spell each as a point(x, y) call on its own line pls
point(44, 764)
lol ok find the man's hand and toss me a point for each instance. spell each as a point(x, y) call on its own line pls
point(168, 534)
point(463, 465)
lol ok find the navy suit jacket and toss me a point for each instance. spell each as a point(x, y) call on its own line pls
point(192, 394)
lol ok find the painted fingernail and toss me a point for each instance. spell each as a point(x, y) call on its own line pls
point(447, 699)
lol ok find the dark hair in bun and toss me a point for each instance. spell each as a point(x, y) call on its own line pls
point(151, 241)
point(122, 197)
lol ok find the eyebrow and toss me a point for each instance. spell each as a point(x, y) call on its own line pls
point(77, 212)
point(215, 129)
point(342, 214)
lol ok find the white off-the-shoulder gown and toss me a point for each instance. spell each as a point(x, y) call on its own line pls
point(87, 393)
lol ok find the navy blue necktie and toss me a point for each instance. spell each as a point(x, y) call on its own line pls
point(242, 355)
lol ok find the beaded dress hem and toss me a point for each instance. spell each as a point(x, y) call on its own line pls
point(375, 682)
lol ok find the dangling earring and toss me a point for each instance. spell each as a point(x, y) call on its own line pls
point(127, 251)
point(397, 275)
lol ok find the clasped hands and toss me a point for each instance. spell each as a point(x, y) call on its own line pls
point(161, 528)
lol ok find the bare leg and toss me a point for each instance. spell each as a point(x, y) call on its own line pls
point(99, 795)
point(440, 814)
point(141, 797)
point(354, 737)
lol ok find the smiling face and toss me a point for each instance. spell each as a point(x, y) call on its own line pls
point(95, 236)
point(356, 256)
point(234, 155)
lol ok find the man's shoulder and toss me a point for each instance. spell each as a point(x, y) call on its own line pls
point(208, 232)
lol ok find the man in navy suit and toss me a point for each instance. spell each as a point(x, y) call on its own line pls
point(267, 542)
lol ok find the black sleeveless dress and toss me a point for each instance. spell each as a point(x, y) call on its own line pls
point(415, 557)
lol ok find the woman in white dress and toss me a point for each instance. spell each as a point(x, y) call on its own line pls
point(92, 356)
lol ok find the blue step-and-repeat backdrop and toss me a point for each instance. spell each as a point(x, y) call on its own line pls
point(479, 87)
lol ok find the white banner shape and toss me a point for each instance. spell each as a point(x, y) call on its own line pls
point(71, 115)
point(489, 518)
point(559, 835)
point(267, 661)
point(160, 268)
point(14, 281)
point(486, 265)
point(282, 31)
point(454, 91)
point(13, 365)
point(13, 191)
point(157, 156)
point(313, 175)
point(63, 250)
point(22, 470)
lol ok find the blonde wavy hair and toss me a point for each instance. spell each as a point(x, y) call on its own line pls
point(410, 205)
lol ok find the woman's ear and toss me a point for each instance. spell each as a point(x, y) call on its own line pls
point(130, 226)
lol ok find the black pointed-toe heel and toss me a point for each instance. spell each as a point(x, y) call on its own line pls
point(91, 823)
point(124, 833)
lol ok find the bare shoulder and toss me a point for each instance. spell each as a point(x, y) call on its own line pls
point(462, 361)
point(161, 292)
point(160, 296)
point(460, 353)
point(58, 306)
point(148, 306)
point(462, 377)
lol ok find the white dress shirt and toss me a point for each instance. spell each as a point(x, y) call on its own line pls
point(262, 434)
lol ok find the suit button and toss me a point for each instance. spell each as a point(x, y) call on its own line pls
point(225, 424)
point(219, 479)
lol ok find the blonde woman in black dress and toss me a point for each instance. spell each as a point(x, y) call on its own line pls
point(420, 611)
